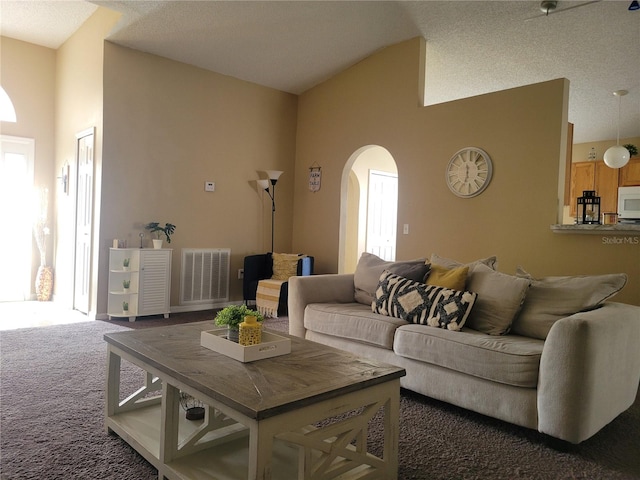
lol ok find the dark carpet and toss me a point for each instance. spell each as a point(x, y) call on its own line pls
point(52, 407)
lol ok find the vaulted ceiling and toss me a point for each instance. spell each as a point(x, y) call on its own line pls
point(473, 47)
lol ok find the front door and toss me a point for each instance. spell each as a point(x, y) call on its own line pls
point(84, 221)
point(16, 212)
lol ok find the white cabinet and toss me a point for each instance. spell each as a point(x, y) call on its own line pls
point(147, 273)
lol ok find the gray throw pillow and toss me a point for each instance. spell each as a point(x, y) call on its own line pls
point(491, 262)
point(551, 298)
point(500, 297)
point(370, 267)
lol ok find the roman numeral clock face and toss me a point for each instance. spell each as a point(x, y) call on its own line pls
point(469, 172)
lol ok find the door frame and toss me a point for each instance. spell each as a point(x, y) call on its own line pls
point(79, 136)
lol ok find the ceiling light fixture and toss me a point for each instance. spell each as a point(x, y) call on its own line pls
point(618, 156)
point(548, 6)
point(634, 5)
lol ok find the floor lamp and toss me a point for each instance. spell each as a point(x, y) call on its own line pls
point(273, 175)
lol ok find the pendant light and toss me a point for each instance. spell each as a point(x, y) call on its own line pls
point(618, 156)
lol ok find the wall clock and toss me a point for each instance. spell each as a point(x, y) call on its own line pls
point(469, 172)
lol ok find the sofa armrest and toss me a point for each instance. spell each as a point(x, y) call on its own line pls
point(332, 288)
point(589, 371)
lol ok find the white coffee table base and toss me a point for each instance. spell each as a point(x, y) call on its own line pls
point(230, 445)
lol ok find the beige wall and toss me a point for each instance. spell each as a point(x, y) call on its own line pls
point(79, 107)
point(27, 73)
point(376, 101)
point(168, 128)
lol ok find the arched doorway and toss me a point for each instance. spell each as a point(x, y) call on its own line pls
point(368, 206)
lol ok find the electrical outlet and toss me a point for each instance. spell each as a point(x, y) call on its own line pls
point(209, 187)
point(405, 229)
point(240, 273)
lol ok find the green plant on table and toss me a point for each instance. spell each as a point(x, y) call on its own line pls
point(168, 229)
point(126, 283)
point(233, 315)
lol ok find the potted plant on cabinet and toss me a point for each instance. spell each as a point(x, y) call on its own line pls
point(232, 316)
point(125, 285)
point(125, 308)
point(154, 227)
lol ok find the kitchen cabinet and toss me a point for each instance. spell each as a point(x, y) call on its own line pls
point(630, 173)
point(595, 176)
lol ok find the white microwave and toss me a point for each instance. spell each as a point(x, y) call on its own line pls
point(629, 204)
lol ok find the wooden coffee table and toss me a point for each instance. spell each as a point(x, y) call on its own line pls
point(302, 415)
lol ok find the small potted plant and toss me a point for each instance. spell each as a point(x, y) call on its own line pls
point(232, 316)
point(154, 227)
point(125, 264)
point(125, 308)
point(125, 285)
point(633, 150)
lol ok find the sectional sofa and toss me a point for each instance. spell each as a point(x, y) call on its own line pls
point(551, 354)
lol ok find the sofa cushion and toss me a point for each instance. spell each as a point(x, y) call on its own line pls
point(370, 267)
point(416, 302)
point(509, 359)
point(552, 298)
point(352, 321)
point(453, 278)
point(500, 297)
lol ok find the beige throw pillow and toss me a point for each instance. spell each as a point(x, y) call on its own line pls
point(500, 297)
point(285, 265)
point(370, 267)
point(552, 298)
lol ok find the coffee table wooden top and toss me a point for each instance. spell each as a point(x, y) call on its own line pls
point(310, 373)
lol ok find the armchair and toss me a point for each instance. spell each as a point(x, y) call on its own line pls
point(259, 267)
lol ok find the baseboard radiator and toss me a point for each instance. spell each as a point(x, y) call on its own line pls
point(204, 276)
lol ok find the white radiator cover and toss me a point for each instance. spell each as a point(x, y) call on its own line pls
point(204, 276)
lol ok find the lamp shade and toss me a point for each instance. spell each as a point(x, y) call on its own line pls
point(274, 175)
point(616, 157)
point(263, 184)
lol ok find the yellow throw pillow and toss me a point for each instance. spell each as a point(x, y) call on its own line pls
point(285, 265)
point(453, 278)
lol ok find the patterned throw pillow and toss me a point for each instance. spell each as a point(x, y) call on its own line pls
point(285, 265)
point(416, 302)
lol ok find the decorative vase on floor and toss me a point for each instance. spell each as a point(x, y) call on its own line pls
point(44, 283)
point(157, 243)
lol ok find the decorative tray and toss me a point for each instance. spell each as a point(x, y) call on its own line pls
point(272, 345)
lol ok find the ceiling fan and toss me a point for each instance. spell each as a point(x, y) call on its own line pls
point(549, 7)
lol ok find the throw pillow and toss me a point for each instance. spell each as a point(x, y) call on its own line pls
point(453, 278)
point(416, 302)
point(491, 262)
point(553, 298)
point(370, 267)
point(285, 265)
point(500, 297)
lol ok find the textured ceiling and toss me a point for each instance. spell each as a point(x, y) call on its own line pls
point(473, 47)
